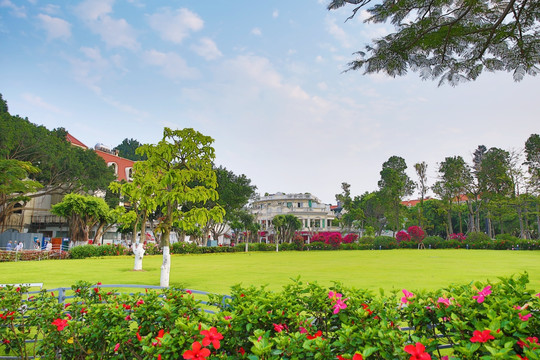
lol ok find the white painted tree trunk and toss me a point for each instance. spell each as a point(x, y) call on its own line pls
point(165, 267)
point(138, 251)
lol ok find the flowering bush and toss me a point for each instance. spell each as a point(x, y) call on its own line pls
point(320, 237)
point(333, 239)
point(350, 238)
point(416, 233)
point(458, 236)
point(402, 236)
point(303, 321)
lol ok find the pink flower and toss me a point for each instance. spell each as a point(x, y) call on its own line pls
point(482, 294)
point(408, 295)
point(332, 295)
point(117, 346)
point(524, 317)
point(444, 301)
point(279, 327)
point(228, 317)
point(339, 305)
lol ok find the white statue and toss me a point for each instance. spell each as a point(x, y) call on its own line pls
point(138, 251)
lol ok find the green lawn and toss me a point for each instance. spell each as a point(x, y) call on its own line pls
point(391, 269)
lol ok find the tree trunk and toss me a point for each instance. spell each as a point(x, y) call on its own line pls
point(166, 264)
point(522, 234)
point(138, 251)
point(449, 220)
point(537, 222)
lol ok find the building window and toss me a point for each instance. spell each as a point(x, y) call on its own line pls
point(129, 174)
point(299, 204)
point(329, 222)
point(114, 166)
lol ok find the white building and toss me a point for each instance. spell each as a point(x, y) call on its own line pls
point(314, 215)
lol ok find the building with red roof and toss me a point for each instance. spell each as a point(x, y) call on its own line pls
point(123, 168)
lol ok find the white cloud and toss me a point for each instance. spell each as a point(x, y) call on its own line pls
point(319, 59)
point(176, 25)
point(51, 9)
point(207, 48)
point(37, 101)
point(171, 64)
point(337, 32)
point(56, 28)
point(89, 70)
point(114, 32)
point(256, 31)
point(275, 14)
point(17, 11)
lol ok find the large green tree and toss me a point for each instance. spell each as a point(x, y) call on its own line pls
point(394, 185)
point(127, 149)
point(82, 213)
point(532, 156)
point(63, 168)
point(285, 226)
point(15, 187)
point(181, 158)
point(234, 192)
point(451, 40)
point(455, 176)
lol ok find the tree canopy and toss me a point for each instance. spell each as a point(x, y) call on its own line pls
point(127, 149)
point(451, 40)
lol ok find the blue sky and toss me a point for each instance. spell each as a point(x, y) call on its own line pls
point(264, 78)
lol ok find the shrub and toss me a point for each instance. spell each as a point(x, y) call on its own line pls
point(416, 233)
point(474, 237)
point(318, 238)
point(83, 251)
point(384, 242)
point(402, 236)
point(298, 242)
point(434, 241)
point(350, 238)
point(152, 249)
point(366, 240)
point(319, 246)
point(507, 237)
point(458, 236)
point(334, 240)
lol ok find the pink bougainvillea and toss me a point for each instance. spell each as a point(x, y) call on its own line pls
point(350, 238)
point(402, 236)
point(334, 239)
point(416, 233)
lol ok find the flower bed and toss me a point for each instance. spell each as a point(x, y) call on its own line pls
point(303, 321)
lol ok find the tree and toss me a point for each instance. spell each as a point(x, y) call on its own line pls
point(181, 158)
point(127, 149)
point(15, 187)
point(394, 185)
point(451, 40)
point(532, 153)
point(82, 213)
point(495, 181)
point(285, 225)
point(454, 177)
point(234, 192)
point(63, 168)
point(421, 171)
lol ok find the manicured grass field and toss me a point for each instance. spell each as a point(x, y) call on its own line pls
point(390, 269)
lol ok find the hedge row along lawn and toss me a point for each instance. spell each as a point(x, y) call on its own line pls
point(373, 269)
point(480, 320)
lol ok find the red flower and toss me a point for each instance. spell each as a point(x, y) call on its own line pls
point(242, 351)
point(211, 337)
point(139, 336)
point(530, 340)
point(357, 357)
point(417, 352)
point(116, 347)
point(60, 324)
point(279, 327)
point(316, 335)
point(159, 338)
point(481, 336)
point(196, 353)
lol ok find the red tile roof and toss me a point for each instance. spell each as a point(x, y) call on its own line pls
point(75, 141)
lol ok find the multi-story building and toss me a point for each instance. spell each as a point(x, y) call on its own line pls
point(314, 215)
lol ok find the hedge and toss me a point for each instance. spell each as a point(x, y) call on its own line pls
point(303, 321)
